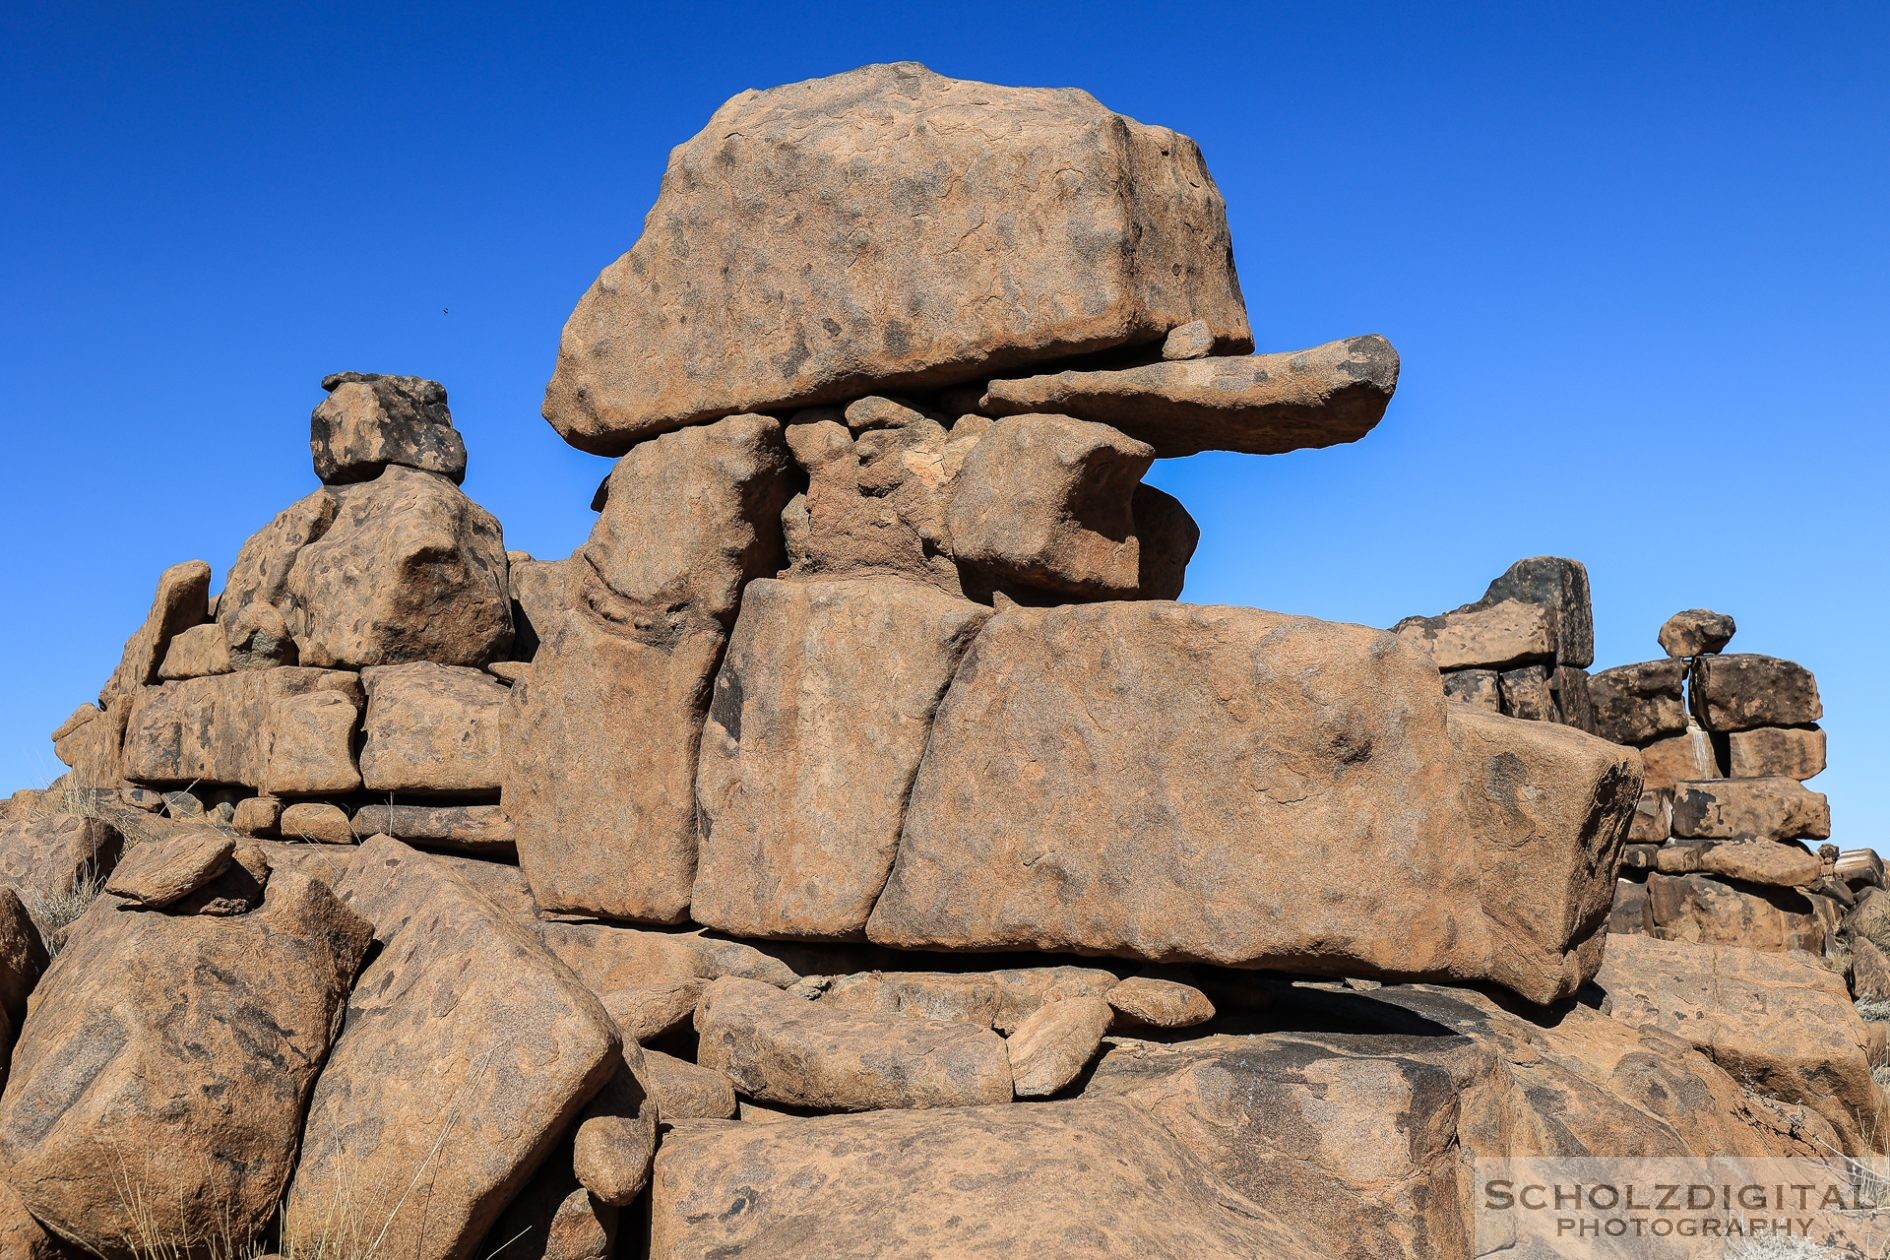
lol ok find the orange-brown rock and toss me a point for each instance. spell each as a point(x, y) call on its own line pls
point(22, 957)
point(1001, 999)
point(553, 1218)
point(613, 1138)
point(1483, 640)
point(431, 729)
point(22, 1237)
point(401, 568)
point(1045, 503)
point(163, 1070)
point(1478, 688)
point(226, 730)
point(1750, 809)
point(1783, 1020)
point(1742, 692)
point(1263, 404)
point(1166, 535)
point(541, 591)
point(650, 982)
point(685, 1090)
point(1755, 862)
point(1142, 779)
point(1493, 633)
point(1684, 758)
point(1127, 239)
point(1695, 632)
point(1772, 751)
point(1055, 1043)
point(1153, 1002)
point(48, 858)
point(467, 1050)
point(91, 744)
point(1713, 911)
point(821, 712)
point(369, 421)
point(318, 822)
point(784, 1049)
point(157, 872)
point(182, 601)
point(196, 653)
point(473, 828)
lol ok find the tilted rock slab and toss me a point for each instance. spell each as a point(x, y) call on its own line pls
point(890, 228)
point(182, 601)
point(1198, 784)
point(166, 1061)
point(1538, 611)
point(821, 712)
point(1263, 404)
point(600, 739)
point(467, 1050)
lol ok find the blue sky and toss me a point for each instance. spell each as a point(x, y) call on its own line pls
point(1636, 259)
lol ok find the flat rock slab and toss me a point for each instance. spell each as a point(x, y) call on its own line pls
point(167, 1061)
point(1538, 612)
point(1000, 999)
point(158, 872)
point(826, 192)
point(1744, 691)
point(1775, 752)
point(1263, 404)
point(784, 1049)
point(821, 712)
point(1079, 1178)
point(1760, 862)
point(473, 828)
point(1750, 809)
point(467, 1050)
point(1783, 1019)
point(226, 730)
point(1702, 909)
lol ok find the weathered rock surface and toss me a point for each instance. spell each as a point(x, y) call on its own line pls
point(196, 653)
point(1638, 704)
point(1741, 692)
point(1001, 999)
point(1684, 758)
point(1152, 1002)
point(1051, 1048)
point(318, 822)
point(650, 982)
point(1263, 404)
point(165, 1065)
point(686, 1091)
point(541, 591)
point(1751, 809)
point(1527, 695)
point(614, 1137)
point(226, 730)
point(1759, 862)
point(821, 711)
point(369, 421)
point(50, 857)
point(1045, 502)
point(401, 568)
point(158, 872)
point(1502, 635)
point(1700, 910)
point(182, 601)
point(432, 729)
point(1696, 632)
point(474, 828)
point(1478, 688)
point(870, 284)
point(1770, 752)
point(1781, 1019)
point(467, 1049)
point(1138, 779)
point(784, 1049)
point(91, 744)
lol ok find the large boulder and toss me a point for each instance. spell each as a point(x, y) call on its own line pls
point(401, 568)
point(1184, 783)
point(1781, 1019)
point(777, 267)
point(467, 1050)
point(1744, 691)
point(1263, 404)
point(601, 738)
point(431, 729)
point(369, 421)
point(1699, 909)
point(159, 1082)
point(821, 712)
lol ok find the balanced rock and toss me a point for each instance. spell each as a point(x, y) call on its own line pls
point(431, 729)
point(197, 653)
point(159, 1083)
point(784, 1049)
point(1696, 632)
point(1264, 404)
point(467, 1050)
point(821, 712)
point(158, 872)
point(885, 165)
point(401, 568)
point(1741, 692)
point(1638, 704)
point(1751, 809)
point(369, 421)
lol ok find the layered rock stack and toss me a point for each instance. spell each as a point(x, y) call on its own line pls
point(860, 852)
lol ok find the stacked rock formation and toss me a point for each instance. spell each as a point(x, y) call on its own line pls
point(859, 851)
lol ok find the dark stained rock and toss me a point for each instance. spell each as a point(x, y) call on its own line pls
point(473, 828)
point(369, 421)
point(1527, 695)
point(1751, 809)
point(1703, 910)
point(1696, 632)
point(1264, 404)
point(1776, 752)
point(1638, 704)
point(1478, 688)
point(1127, 239)
point(1741, 692)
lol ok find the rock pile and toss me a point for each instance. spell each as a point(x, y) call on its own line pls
point(853, 848)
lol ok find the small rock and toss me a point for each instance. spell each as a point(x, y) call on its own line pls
point(197, 653)
point(316, 821)
point(686, 1091)
point(1152, 1002)
point(1696, 632)
point(257, 816)
point(1052, 1047)
point(1478, 688)
point(1192, 340)
point(614, 1137)
point(1527, 695)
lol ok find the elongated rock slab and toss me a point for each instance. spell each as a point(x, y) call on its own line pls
point(939, 229)
point(1263, 404)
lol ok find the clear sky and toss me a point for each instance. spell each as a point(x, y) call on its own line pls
point(1635, 258)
